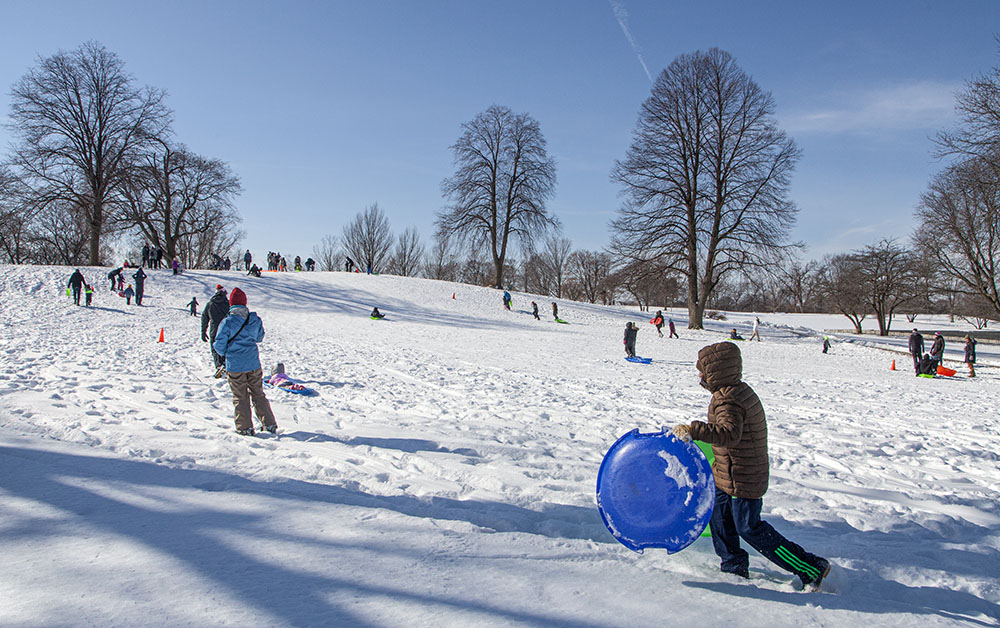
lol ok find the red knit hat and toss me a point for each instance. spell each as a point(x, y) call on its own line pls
point(237, 297)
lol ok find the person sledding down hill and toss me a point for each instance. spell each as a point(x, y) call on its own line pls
point(236, 341)
point(737, 431)
point(376, 314)
point(507, 301)
point(734, 335)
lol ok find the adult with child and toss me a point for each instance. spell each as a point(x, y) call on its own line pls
point(916, 345)
point(76, 282)
point(215, 311)
point(737, 431)
point(237, 340)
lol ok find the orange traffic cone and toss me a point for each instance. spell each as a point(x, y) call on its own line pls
point(893, 367)
point(161, 335)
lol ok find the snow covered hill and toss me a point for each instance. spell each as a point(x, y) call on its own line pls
point(445, 474)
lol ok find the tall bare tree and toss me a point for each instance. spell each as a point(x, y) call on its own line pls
point(327, 253)
point(80, 121)
point(503, 178)
point(843, 285)
point(555, 255)
point(368, 239)
point(174, 196)
point(706, 178)
point(590, 271)
point(978, 109)
point(960, 226)
point(408, 254)
point(442, 260)
point(889, 277)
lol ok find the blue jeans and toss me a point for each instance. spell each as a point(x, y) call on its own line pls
point(735, 518)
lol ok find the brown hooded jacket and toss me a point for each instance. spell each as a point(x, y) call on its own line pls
point(736, 428)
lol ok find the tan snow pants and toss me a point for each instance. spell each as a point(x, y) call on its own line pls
point(249, 386)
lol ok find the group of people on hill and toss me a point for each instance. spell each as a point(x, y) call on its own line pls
point(78, 286)
point(927, 363)
point(632, 330)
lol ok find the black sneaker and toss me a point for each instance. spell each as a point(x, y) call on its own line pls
point(248, 432)
point(271, 428)
point(824, 567)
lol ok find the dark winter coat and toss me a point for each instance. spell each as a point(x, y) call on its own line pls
point(76, 280)
point(630, 333)
point(916, 344)
point(970, 351)
point(926, 365)
point(937, 349)
point(216, 311)
point(736, 427)
point(140, 279)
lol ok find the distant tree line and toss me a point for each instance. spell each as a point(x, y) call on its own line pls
point(95, 165)
point(704, 223)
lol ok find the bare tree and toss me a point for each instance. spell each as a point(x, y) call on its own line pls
point(327, 253)
point(16, 215)
point(844, 287)
point(889, 277)
point(174, 196)
point(978, 109)
point(408, 255)
point(442, 260)
point(706, 178)
point(799, 283)
point(368, 239)
point(555, 256)
point(960, 227)
point(590, 271)
point(80, 121)
point(503, 178)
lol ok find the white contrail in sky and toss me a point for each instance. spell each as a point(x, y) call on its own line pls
point(622, 16)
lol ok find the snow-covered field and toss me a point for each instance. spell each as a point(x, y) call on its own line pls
point(445, 475)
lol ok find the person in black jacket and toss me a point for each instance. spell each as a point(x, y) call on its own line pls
point(937, 349)
point(916, 348)
point(534, 310)
point(926, 366)
point(216, 311)
point(140, 282)
point(76, 282)
point(115, 276)
point(630, 332)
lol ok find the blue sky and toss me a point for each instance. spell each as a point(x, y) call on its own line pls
point(323, 108)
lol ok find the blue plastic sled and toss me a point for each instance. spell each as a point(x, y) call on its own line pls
point(654, 490)
point(639, 360)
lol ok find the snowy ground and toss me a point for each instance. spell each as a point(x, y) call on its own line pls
point(445, 475)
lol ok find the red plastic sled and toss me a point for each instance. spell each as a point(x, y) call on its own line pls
point(945, 371)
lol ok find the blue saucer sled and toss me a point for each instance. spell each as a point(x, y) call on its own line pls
point(654, 490)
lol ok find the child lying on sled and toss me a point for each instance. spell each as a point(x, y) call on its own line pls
point(281, 380)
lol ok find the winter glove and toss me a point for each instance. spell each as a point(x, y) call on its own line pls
point(204, 338)
point(682, 432)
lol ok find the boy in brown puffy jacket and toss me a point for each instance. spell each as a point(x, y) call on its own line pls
point(737, 431)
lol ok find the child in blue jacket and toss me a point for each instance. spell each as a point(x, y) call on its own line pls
point(237, 340)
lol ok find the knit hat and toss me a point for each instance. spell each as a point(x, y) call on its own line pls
point(218, 286)
point(237, 297)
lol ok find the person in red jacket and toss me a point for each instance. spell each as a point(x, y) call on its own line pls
point(737, 431)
